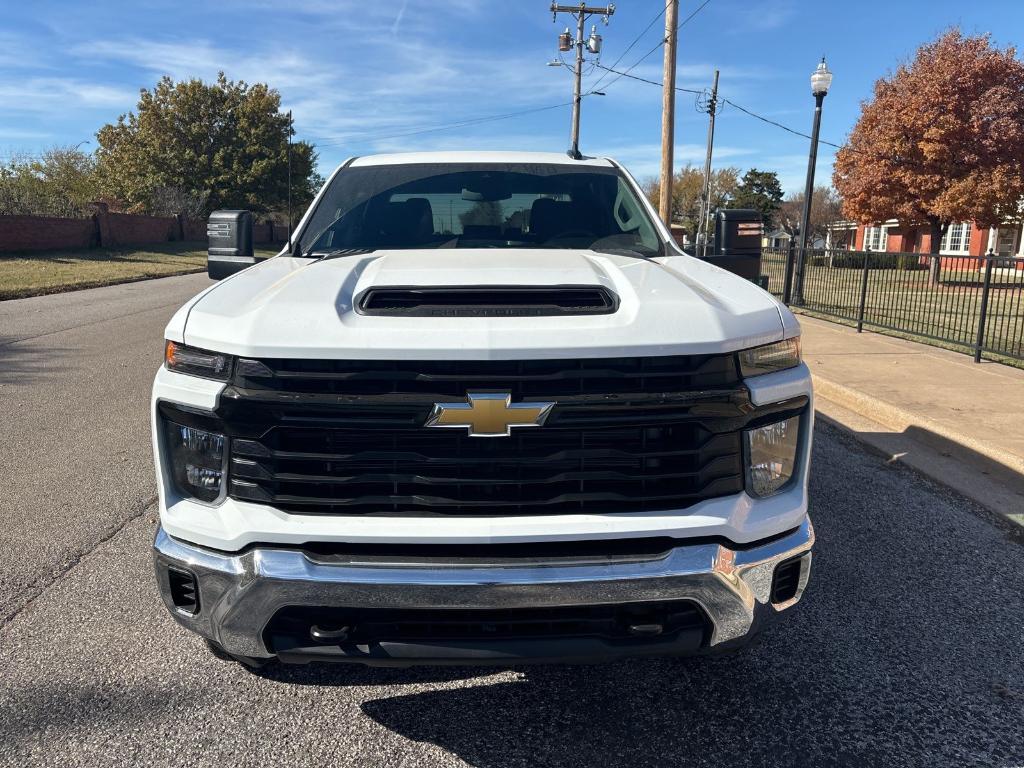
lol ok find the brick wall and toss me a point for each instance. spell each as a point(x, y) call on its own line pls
point(262, 233)
point(36, 233)
point(110, 230)
point(117, 229)
point(193, 229)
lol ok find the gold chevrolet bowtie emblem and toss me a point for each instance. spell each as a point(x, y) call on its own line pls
point(488, 414)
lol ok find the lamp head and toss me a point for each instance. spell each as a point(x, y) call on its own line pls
point(821, 79)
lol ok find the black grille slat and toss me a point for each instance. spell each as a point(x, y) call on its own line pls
point(398, 502)
point(347, 437)
point(523, 378)
point(258, 472)
point(551, 445)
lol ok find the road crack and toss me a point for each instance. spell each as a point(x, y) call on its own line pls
point(41, 585)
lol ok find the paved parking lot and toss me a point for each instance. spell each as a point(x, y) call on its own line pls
point(906, 649)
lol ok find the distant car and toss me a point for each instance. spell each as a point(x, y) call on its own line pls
point(480, 409)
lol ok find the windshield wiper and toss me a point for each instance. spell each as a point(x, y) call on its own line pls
point(338, 253)
point(625, 252)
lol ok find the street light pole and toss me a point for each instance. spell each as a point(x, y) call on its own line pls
point(820, 82)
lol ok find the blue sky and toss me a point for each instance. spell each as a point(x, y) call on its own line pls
point(358, 75)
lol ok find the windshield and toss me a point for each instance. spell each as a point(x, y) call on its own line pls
point(480, 206)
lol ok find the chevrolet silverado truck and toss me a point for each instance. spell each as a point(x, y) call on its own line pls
point(481, 408)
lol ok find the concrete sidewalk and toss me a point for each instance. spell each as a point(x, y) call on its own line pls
point(957, 421)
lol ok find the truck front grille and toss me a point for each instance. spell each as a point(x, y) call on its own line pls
point(626, 435)
point(537, 471)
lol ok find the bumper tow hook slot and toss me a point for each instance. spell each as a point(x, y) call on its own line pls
point(645, 630)
point(339, 635)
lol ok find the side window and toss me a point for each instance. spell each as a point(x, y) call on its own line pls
point(630, 218)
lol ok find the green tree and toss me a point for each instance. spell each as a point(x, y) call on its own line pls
point(60, 182)
point(686, 191)
point(483, 212)
point(761, 191)
point(225, 141)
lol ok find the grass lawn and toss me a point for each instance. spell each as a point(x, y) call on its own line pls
point(32, 273)
point(906, 303)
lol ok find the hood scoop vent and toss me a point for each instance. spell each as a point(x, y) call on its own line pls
point(487, 301)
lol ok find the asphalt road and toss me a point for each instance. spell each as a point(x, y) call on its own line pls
point(906, 649)
point(75, 463)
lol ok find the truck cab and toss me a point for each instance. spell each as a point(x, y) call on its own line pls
point(480, 409)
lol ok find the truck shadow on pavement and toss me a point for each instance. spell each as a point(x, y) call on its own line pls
point(904, 650)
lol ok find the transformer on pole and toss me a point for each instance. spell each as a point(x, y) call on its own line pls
point(566, 42)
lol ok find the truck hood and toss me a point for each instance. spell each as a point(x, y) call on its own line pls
point(294, 307)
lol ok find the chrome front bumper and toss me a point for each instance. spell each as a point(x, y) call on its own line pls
point(240, 593)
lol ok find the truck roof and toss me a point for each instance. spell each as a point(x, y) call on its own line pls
point(401, 158)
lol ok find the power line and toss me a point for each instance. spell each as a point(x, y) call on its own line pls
point(795, 132)
point(645, 80)
point(510, 115)
point(326, 142)
point(630, 46)
point(734, 104)
point(769, 121)
point(442, 127)
point(661, 42)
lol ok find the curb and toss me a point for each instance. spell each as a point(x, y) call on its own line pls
point(900, 420)
point(987, 477)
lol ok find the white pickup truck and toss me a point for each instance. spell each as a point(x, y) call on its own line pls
point(480, 409)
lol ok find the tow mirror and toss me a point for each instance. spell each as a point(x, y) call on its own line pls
point(737, 243)
point(230, 243)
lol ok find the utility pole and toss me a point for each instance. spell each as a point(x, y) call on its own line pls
point(668, 113)
point(565, 42)
point(705, 194)
point(289, 176)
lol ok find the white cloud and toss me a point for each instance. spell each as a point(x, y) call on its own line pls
point(398, 17)
point(347, 105)
point(54, 94)
point(362, 77)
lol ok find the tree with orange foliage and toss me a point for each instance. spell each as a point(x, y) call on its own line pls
point(942, 140)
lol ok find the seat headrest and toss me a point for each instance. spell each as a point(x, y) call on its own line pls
point(550, 218)
point(407, 222)
point(544, 216)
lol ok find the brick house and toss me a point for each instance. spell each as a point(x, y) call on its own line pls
point(961, 240)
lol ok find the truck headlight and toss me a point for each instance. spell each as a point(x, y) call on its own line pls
point(196, 362)
point(770, 357)
point(771, 452)
point(197, 460)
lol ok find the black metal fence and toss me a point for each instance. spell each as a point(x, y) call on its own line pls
point(973, 303)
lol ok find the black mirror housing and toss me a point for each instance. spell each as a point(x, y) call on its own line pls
point(230, 247)
point(737, 246)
